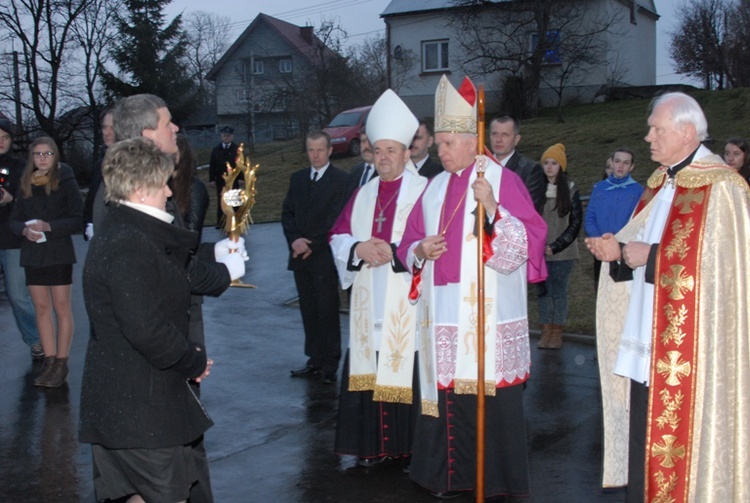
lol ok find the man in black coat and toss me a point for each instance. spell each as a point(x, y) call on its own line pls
point(364, 171)
point(420, 151)
point(505, 134)
point(315, 198)
point(223, 153)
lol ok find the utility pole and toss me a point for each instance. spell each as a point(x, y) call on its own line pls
point(17, 92)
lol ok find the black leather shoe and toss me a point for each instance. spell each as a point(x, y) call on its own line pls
point(369, 462)
point(306, 371)
point(329, 377)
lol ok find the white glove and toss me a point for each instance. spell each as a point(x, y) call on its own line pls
point(226, 246)
point(89, 231)
point(235, 264)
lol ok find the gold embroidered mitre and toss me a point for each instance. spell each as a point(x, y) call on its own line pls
point(455, 111)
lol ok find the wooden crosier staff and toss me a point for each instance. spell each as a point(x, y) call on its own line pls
point(480, 305)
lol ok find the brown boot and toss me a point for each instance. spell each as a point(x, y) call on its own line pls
point(46, 369)
point(546, 334)
point(57, 375)
point(556, 339)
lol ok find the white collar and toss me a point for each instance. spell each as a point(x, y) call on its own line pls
point(150, 210)
point(320, 171)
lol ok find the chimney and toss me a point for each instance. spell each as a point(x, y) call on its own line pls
point(306, 32)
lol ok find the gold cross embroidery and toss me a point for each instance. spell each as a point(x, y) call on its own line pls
point(673, 369)
point(677, 282)
point(472, 299)
point(668, 451)
point(688, 199)
point(426, 321)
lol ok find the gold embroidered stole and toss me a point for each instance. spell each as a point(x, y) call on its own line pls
point(390, 377)
point(675, 347)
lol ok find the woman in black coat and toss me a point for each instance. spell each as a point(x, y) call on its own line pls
point(137, 408)
point(48, 210)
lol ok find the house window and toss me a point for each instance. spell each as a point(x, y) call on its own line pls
point(257, 67)
point(285, 66)
point(551, 47)
point(435, 56)
point(242, 95)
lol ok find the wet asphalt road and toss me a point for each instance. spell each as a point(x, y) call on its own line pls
point(273, 435)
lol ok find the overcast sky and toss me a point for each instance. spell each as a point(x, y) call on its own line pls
point(361, 19)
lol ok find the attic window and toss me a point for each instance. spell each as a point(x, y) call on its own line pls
point(435, 56)
point(257, 67)
point(285, 66)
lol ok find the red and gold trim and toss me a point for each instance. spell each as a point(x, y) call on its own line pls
point(675, 348)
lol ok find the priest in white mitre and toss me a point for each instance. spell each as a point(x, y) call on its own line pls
point(376, 417)
point(439, 247)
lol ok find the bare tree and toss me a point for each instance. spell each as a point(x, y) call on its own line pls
point(44, 31)
point(207, 39)
point(94, 33)
point(738, 51)
point(524, 40)
point(580, 46)
point(700, 43)
point(369, 65)
point(369, 62)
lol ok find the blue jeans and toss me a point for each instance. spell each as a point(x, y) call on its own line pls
point(553, 293)
point(18, 294)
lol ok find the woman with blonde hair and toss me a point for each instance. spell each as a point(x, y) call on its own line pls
point(48, 210)
point(137, 409)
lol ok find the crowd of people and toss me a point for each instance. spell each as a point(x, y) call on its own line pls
point(400, 233)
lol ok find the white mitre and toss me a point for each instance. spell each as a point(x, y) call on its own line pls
point(391, 119)
point(455, 111)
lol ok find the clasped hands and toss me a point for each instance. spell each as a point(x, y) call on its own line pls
point(34, 229)
point(607, 249)
point(375, 252)
point(301, 248)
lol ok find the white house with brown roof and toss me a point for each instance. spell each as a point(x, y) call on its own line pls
point(428, 31)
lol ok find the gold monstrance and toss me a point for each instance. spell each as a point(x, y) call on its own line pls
point(237, 203)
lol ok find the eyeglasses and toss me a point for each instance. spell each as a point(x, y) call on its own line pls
point(42, 154)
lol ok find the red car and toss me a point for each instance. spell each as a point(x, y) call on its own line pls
point(344, 130)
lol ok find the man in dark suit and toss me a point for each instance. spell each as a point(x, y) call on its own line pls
point(364, 171)
point(420, 151)
point(313, 202)
point(505, 134)
point(223, 153)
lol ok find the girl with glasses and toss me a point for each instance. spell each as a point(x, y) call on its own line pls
point(48, 210)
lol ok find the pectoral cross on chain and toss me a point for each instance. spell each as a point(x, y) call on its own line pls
point(380, 221)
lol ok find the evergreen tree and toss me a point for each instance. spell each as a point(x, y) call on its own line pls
point(151, 57)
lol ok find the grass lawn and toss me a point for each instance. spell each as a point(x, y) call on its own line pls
point(590, 133)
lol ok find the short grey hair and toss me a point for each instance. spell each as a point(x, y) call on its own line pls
point(133, 114)
point(685, 110)
point(133, 164)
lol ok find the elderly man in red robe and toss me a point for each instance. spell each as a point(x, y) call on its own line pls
point(376, 417)
point(440, 248)
point(673, 322)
